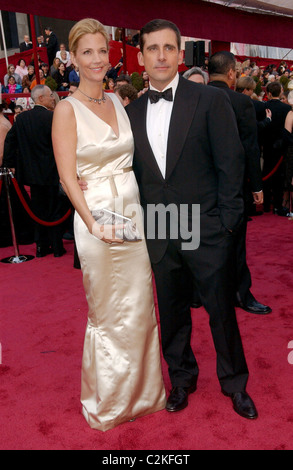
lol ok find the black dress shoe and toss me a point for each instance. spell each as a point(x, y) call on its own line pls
point(253, 306)
point(242, 404)
point(58, 254)
point(283, 211)
point(42, 251)
point(178, 399)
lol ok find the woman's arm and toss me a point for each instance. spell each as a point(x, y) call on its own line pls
point(64, 138)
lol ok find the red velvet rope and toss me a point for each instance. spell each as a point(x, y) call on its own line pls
point(273, 170)
point(57, 222)
point(36, 219)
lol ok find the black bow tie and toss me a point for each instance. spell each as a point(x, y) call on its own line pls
point(155, 96)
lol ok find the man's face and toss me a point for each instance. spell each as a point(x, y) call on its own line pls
point(160, 57)
point(47, 99)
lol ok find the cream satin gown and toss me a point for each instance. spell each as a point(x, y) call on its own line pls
point(121, 371)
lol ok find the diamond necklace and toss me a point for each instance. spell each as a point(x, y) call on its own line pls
point(95, 100)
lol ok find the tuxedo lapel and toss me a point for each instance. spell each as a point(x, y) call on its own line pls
point(141, 138)
point(184, 108)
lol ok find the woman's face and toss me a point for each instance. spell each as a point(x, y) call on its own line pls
point(22, 63)
point(11, 81)
point(92, 57)
point(11, 69)
point(61, 67)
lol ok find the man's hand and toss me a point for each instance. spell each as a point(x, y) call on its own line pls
point(258, 197)
point(82, 185)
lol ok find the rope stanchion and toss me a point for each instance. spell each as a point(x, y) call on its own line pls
point(273, 170)
point(17, 258)
point(29, 211)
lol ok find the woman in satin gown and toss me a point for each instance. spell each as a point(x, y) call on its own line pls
point(121, 370)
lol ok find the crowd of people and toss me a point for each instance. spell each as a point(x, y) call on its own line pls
point(224, 143)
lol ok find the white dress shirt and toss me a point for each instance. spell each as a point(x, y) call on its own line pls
point(158, 122)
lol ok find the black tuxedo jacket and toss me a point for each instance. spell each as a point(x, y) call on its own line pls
point(247, 126)
point(205, 161)
point(28, 148)
point(274, 134)
point(25, 47)
point(52, 47)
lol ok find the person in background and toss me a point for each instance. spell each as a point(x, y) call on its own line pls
point(17, 110)
point(65, 58)
point(21, 68)
point(54, 66)
point(127, 93)
point(223, 72)
point(197, 75)
point(28, 149)
point(26, 45)
point(41, 41)
point(273, 151)
point(52, 44)
point(5, 126)
point(42, 80)
point(25, 102)
point(11, 72)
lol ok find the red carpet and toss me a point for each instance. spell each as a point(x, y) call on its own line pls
point(43, 318)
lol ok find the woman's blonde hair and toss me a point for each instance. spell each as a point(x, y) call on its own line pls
point(82, 27)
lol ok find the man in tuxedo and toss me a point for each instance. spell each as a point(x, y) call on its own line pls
point(222, 72)
point(26, 45)
point(28, 148)
point(188, 153)
point(52, 44)
point(273, 150)
point(40, 41)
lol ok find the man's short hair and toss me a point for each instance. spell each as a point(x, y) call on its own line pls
point(245, 83)
point(123, 78)
point(274, 88)
point(195, 71)
point(127, 91)
point(221, 62)
point(37, 91)
point(158, 25)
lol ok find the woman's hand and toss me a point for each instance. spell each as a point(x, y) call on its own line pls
point(107, 233)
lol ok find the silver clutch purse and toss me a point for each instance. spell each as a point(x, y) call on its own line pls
point(128, 233)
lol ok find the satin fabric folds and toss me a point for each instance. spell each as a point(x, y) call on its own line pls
point(121, 371)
